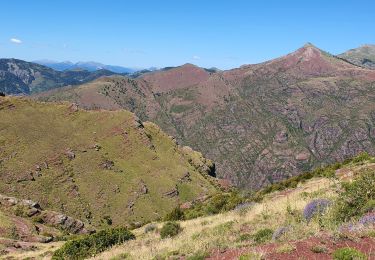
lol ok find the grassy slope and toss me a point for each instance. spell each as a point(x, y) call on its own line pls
point(233, 230)
point(34, 134)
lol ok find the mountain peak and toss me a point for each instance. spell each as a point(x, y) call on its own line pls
point(309, 44)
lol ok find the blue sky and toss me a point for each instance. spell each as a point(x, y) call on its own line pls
point(223, 34)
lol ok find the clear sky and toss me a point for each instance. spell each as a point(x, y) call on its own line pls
point(223, 34)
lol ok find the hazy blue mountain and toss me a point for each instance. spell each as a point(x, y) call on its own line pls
point(90, 66)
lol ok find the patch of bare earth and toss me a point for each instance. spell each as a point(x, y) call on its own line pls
point(302, 249)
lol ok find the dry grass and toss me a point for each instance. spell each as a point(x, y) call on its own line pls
point(42, 251)
point(222, 230)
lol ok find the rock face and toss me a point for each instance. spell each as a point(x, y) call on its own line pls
point(29, 208)
point(63, 222)
point(259, 123)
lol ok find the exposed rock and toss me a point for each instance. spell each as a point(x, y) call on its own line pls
point(172, 193)
point(131, 204)
point(107, 164)
point(303, 156)
point(70, 154)
point(137, 122)
point(28, 176)
point(186, 177)
point(51, 218)
point(73, 107)
point(63, 222)
point(143, 188)
point(97, 147)
point(186, 205)
point(281, 137)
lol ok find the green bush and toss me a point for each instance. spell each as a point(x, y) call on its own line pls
point(362, 157)
point(356, 197)
point(263, 235)
point(89, 245)
point(200, 255)
point(218, 203)
point(348, 253)
point(170, 229)
point(174, 215)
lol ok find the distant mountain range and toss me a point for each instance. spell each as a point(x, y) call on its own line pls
point(259, 123)
point(23, 78)
point(89, 66)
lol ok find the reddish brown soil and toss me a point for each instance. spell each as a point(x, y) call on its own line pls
point(303, 249)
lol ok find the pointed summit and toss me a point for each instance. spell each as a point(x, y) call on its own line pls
point(309, 44)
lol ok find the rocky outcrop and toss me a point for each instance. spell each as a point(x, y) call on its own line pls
point(29, 208)
point(171, 193)
point(64, 222)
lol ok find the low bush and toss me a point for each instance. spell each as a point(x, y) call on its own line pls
point(280, 232)
point(218, 203)
point(174, 215)
point(348, 253)
point(315, 208)
point(356, 197)
point(93, 244)
point(150, 228)
point(318, 249)
point(286, 248)
point(170, 229)
point(200, 255)
point(245, 237)
point(263, 235)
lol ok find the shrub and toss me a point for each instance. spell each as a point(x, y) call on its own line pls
point(245, 237)
point(369, 206)
point(200, 255)
point(364, 156)
point(174, 215)
point(170, 229)
point(319, 249)
point(89, 245)
point(315, 208)
point(280, 232)
point(355, 198)
point(107, 220)
point(286, 248)
point(150, 228)
point(263, 235)
point(367, 220)
point(218, 203)
point(251, 256)
point(348, 253)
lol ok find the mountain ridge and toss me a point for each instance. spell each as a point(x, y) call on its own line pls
point(87, 65)
point(260, 123)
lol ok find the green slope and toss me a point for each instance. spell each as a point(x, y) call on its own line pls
point(95, 165)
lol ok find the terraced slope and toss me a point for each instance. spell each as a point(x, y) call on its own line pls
point(101, 167)
point(260, 123)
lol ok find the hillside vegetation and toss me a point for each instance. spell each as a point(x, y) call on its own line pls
point(284, 225)
point(362, 56)
point(260, 123)
point(104, 168)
